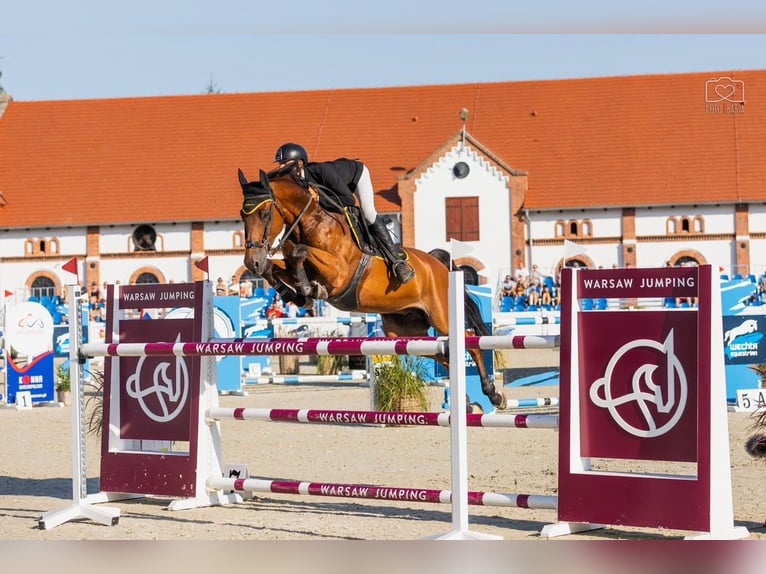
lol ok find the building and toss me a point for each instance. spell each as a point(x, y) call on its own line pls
point(636, 171)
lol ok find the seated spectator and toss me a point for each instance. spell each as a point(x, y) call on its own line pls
point(535, 277)
point(220, 287)
point(507, 287)
point(533, 295)
point(245, 289)
point(291, 309)
point(546, 298)
point(276, 309)
point(234, 286)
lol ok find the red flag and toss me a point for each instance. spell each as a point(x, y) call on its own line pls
point(71, 266)
point(8, 293)
point(202, 264)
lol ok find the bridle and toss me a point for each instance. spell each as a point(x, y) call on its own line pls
point(271, 199)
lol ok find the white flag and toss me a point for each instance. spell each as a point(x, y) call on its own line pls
point(571, 249)
point(459, 249)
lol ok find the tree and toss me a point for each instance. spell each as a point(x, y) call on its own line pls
point(212, 87)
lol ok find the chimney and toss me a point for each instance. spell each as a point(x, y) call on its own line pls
point(5, 99)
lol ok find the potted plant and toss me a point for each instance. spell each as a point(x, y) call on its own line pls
point(63, 384)
point(399, 385)
point(760, 369)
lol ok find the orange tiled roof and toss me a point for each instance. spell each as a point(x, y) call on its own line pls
point(636, 140)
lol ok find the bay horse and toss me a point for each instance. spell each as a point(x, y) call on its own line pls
point(325, 257)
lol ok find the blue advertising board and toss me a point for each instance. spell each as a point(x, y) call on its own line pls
point(29, 350)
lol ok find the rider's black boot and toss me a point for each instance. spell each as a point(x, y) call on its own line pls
point(395, 257)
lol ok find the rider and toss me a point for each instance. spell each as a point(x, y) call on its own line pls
point(344, 176)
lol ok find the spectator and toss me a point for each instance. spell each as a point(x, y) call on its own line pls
point(220, 287)
point(245, 289)
point(546, 297)
point(508, 286)
point(291, 309)
point(276, 309)
point(533, 295)
point(234, 286)
point(535, 277)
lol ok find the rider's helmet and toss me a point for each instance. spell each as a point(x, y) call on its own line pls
point(291, 151)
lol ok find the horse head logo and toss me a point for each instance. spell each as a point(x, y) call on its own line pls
point(654, 401)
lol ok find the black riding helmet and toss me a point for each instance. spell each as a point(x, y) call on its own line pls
point(291, 151)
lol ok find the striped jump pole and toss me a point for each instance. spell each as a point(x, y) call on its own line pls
point(322, 416)
point(536, 320)
point(387, 493)
point(315, 346)
point(354, 377)
point(529, 403)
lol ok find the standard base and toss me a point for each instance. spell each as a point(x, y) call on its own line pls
point(565, 528)
point(215, 499)
point(103, 515)
point(735, 533)
point(463, 535)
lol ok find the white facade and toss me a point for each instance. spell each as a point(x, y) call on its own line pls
point(28, 253)
point(483, 181)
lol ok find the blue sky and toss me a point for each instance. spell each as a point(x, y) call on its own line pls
point(53, 50)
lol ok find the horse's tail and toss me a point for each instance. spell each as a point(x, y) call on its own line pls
point(473, 317)
point(472, 312)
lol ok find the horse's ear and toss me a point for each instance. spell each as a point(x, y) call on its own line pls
point(264, 180)
point(242, 178)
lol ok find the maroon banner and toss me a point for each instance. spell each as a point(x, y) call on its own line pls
point(638, 392)
point(659, 282)
point(154, 296)
point(155, 391)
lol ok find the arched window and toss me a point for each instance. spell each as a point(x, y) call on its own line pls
point(573, 228)
point(43, 286)
point(147, 278)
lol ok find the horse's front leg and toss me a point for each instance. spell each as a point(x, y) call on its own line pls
point(277, 275)
point(296, 262)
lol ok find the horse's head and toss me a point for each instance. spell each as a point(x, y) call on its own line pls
point(263, 221)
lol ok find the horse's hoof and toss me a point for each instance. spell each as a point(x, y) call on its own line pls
point(474, 409)
point(503, 404)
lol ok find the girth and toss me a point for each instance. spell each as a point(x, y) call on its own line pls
point(349, 298)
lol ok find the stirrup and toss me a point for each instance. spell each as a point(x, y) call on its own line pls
point(403, 271)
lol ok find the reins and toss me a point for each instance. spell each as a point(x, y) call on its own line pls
point(249, 244)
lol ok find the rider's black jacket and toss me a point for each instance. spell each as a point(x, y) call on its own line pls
point(340, 175)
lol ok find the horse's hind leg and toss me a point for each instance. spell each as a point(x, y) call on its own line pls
point(487, 385)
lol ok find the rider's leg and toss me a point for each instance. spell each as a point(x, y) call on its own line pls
point(366, 196)
point(394, 256)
